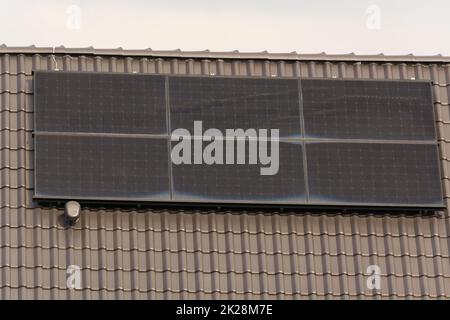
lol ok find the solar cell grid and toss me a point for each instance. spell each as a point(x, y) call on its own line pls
point(100, 103)
point(102, 167)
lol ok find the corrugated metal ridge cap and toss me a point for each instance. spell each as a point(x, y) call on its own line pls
point(207, 54)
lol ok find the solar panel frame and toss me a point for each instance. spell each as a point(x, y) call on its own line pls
point(302, 139)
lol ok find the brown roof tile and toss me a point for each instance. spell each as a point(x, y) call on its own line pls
point(211, 253)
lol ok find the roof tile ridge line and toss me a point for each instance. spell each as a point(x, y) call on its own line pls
point(20, 148)
point(26, 74)
point(16, 130)
point(264, 55)
point(252, 212)
point(16, 92)
point(222, 252)
point(226, 272)
point(19, 73)
point(230, 291)
point(10, 110)
point(17, 186)
point(226, 54)
point(17, 168)
point(48, 227)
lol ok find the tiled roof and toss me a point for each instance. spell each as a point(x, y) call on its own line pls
point(211, 253)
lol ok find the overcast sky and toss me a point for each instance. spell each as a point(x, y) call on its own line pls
point(341, 26)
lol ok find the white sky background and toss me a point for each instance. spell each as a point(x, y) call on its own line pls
point(364, 27)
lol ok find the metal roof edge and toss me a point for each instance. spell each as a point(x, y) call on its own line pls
point(207, 54)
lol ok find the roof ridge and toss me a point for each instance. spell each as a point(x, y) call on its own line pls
point(234, 54)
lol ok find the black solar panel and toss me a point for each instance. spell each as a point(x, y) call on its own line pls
point(342, 142)
point(243, 182)
point(374, 173)
point(101, 167)
point(350, 109)
point(99, 102)
point(228, 103)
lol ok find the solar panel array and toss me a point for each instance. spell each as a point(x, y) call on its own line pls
point(107, 137)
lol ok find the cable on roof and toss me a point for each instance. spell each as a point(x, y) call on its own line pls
point(54, 59)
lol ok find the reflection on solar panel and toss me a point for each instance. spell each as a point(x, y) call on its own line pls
point(108, 137)
point(351, 109)
point(243, 182)
point(225, 103)
point(371, 173)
